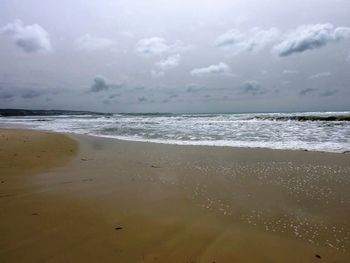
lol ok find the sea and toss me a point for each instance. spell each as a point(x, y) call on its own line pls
point(312, 131)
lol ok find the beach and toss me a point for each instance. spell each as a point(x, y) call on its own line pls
point(80, 198)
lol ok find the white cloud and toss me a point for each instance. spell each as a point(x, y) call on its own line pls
point(156, 46)
point(342, 33)
point(90, 43)
point(179, 47)
point(256, 39)
point(30, 38)
point(151, 46)
point(169, 62)
point(218, 69)
point(231, 37)
point(310, 37)
point(320, 75)
point(290, 72)
point(165, 64)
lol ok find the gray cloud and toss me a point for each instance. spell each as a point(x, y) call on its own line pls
point(90, 43)
point(5, 95)
point(9, 91)
point(173, 95)
point(136, 89)
point(328, 93)
point(217, 69)
point(320, 75)
point(252, 87)
point(310, 37)
point(109, 102)
point(192, 88)
point(112, 96)
point(30, 94)
point(101, 84)
point(142, 99)
point(306, 91)
point(255, 40)
point(106, 37)
point(30, 38)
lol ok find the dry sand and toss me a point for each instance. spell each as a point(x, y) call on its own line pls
point(115, 201)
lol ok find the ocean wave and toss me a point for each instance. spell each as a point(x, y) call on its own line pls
point(150, 114)
point(305, 118)
point(323, 131)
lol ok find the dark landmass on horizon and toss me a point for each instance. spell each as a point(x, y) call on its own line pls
point(24, 112)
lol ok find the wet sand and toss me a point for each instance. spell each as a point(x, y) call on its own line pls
point(115, 201)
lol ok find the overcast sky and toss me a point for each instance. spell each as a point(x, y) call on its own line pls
point(175, 55)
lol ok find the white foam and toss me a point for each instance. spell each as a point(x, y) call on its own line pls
point(233, 130)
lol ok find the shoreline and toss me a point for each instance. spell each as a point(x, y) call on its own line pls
point(205, 145)
point(125, 201)
point(71, 134)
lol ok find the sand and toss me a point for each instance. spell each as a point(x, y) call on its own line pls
point(89, 199)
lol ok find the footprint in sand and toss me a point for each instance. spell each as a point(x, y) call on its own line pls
point(7, 195)
point(87, 180)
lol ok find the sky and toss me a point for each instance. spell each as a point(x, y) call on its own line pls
point(175, 56)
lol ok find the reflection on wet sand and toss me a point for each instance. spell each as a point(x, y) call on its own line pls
point(140, 202)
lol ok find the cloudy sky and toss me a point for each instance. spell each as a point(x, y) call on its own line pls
point(175, 56)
